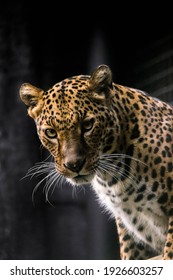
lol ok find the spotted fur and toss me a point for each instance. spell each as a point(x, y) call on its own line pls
point(119, 140)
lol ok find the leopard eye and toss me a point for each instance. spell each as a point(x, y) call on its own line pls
point(87, 124)
point(51, 133)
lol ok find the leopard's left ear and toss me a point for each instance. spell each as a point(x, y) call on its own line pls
point(100, 82)
point(32, 97)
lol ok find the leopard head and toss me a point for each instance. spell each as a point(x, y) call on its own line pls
point(75, 122)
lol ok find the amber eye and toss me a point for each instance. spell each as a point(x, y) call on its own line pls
point(87, 124)
point(51, 133)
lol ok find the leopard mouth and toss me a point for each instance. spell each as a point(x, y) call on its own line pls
point(82, 179)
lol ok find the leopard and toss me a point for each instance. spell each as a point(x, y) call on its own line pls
point(119, 141)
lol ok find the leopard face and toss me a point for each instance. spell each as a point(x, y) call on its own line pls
point(119, 140)
point(75, 122)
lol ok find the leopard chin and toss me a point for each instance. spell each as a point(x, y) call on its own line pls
point(81, 179)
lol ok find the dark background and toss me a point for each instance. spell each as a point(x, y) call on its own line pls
point(42, 45)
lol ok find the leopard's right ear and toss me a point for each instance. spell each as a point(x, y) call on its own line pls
point(32, 97)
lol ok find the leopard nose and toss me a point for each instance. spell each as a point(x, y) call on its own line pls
point(75, 165)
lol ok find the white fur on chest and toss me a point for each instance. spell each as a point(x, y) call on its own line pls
point(147, 224)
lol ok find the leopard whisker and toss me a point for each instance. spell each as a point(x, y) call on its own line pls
point(110, 160)
point(39, 184)
point(112, 169)
point(50, 181)
point(98, 172)
point(123, 173)
point(110, 172)
point(39, 169)
point(107, 171)
point(51, 184)
point(121, 156)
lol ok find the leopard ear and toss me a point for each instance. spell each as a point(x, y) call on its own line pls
point(100, 82)
point(32, 97)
